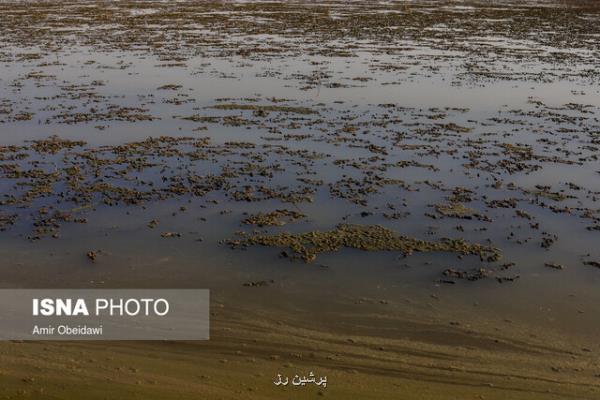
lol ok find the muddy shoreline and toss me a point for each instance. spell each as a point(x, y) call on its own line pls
point(247, 350)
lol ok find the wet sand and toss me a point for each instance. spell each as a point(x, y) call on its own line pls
point(402, 358)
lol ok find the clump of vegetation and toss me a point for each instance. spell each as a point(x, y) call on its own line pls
point(307, 246)
point(458, 210)
point(7, 220)
point(170, 86)
point(554, 265)
point(265, 108)
point(546, 192)
point(92, 255)
point(54, 144)
point(274, 218)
